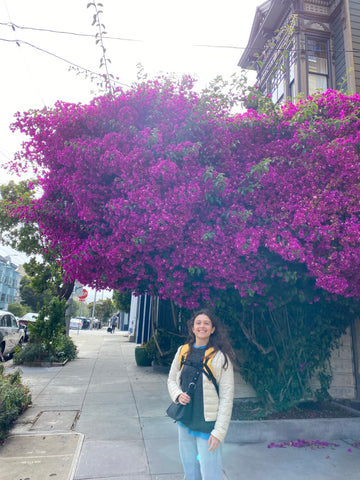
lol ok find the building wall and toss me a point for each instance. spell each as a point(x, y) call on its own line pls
point(354, 11)
point(8, 282)
point(343, 385)
point(339, 57)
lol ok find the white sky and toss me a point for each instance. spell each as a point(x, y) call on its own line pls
point(168, 33)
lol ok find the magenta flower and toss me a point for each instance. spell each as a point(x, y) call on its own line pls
point(161, 190)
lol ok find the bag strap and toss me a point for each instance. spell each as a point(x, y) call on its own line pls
point(192, 384)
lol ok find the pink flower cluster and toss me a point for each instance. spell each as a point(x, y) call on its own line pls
point(159, 190)
point(303, 444)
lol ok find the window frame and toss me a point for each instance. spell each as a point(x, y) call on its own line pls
point(309, 74)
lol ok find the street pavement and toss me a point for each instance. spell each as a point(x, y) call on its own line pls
point(101, 417)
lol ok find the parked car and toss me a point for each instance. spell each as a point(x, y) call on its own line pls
point(28, 317)
point(79, 323)
point(76, 323)
point(11, 335)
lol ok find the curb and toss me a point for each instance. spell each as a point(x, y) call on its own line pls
point(42, 364)
point(260, 431)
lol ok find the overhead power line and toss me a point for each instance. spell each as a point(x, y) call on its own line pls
point(14, 26)
point(232, 47)
point(20, 42)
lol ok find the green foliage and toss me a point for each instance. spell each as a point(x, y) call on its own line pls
point(17, 309)
point(122, 300)
point(44, 273)
point(14, 399)
point(163, 345)
point(47, 342)
point(285, 338)
point(23, 237)
point(49, 324)
point(103, 309)
point(65, 348)
point(32, 353)
point(30, 298)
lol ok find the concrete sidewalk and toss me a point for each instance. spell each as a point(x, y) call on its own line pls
point(102, 417)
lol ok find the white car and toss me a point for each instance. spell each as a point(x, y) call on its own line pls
point(30, 317)
point(11, 335)
point(76, 323)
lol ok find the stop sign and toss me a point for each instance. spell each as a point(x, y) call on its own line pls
point(83, 295)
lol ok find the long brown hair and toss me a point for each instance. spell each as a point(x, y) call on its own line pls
point(218, 339)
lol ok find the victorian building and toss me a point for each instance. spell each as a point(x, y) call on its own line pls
point(300, 46)
point(9, 282)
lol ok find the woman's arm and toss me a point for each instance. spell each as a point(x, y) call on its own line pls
point(226, 398)
point(173, 378)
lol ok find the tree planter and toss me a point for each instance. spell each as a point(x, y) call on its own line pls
point(44, 364)
point(325, 429)
point(142, 358)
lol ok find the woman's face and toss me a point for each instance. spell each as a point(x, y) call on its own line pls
point(202, 329)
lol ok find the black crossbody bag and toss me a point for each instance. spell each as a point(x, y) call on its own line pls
point(179, 412)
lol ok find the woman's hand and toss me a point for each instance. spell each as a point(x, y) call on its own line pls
point(213, 443)
point(184, 398)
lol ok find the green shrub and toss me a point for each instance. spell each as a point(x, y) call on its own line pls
point(14, 399)
point(62, 350)
point(47, 342)
point(65, 348)
point(168, 342)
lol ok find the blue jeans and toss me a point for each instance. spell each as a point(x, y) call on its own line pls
point(198, 463)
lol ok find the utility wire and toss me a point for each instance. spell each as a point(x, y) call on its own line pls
point(233, 47)
point(19, 42)
point(13, 25)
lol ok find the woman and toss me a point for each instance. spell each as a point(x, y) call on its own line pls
point(212, 400)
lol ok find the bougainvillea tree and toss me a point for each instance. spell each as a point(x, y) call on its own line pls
point(159, 189)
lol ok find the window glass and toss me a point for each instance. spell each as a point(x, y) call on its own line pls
point(317, 56)
point(13, 322)
point(317, 82)
point(317, 62)
point(2, 321)
point(277, 86)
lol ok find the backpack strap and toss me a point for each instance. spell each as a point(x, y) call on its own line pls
point(183, 354)
point(207, 368)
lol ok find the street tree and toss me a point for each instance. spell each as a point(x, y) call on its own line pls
point(44, 272)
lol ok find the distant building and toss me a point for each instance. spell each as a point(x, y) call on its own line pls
point(9, 282)
point(320, 50)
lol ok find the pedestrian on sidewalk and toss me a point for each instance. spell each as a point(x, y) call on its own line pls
point(208, 350)
point(113, 323)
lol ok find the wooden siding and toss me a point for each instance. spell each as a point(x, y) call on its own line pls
point(339, 54)
point(354, 8)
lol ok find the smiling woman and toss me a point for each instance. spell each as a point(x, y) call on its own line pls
point(201, 378)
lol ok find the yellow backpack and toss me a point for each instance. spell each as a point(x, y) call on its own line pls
point(207, 367)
